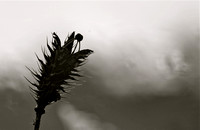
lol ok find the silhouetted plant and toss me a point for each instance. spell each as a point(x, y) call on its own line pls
point(60, 66)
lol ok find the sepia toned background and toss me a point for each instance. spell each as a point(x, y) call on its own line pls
point(144, 74)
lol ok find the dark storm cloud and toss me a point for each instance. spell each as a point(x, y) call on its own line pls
point(142, 112)
point(17, 112)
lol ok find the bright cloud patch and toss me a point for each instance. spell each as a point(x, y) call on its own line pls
point(74, 119)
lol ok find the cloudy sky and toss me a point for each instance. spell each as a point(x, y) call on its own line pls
point(144, 74)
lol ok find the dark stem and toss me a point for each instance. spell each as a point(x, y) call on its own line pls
point(39, 112)
point(37, 121)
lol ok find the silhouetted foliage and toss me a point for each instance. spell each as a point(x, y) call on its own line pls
point(60, 65)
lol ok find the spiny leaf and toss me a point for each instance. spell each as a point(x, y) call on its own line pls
point(41, 62)
point(69, 42)
point(34, 84)
point(35, 74)
point(46, 56)
point(75, 74)
point(56, 39)
point(50, 49)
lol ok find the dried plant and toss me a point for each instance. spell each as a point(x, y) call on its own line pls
point(60, 66)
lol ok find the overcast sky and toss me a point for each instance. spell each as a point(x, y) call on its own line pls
point(146, 58)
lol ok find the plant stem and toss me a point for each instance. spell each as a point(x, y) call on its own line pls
point(37, 121)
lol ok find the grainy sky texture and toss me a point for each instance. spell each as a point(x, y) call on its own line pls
point(144, 74)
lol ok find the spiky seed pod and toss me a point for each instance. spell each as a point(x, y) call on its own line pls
point(59, 66)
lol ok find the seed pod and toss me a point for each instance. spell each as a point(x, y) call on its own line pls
point(55, 71)
point(79, 37)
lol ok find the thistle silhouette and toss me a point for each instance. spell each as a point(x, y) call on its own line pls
point(54, 73)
